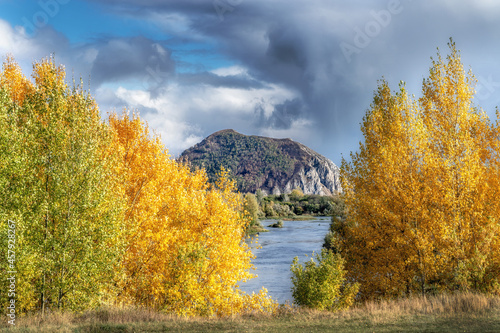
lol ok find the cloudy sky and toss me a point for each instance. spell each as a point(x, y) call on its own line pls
point(303, 69)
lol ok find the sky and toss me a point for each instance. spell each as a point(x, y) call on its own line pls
point(299, 69)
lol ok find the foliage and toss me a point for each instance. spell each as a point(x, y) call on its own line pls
point(296, 194)
point(322, 285)
point(259, 196)
point(59, 190)
point(251, 208)
point(295, 204)
point(278, 224)
point(252, 212)
point(185, 245)
point(421, 193)
point(337, 225)
point(103, 214)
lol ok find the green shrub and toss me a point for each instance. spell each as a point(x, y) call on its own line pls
point(278, 224)
point(321, 285)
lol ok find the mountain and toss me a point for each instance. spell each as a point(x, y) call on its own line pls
point(275, 166)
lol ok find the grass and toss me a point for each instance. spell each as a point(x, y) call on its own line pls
point(444, 313)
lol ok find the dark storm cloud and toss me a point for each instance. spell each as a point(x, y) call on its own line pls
point(132, 58)
point(331, 52)
point(281, 42)
point(282, 116)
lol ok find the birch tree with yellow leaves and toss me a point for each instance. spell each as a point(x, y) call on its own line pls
point(420, 192)
point(185, 247)
point(462, 169)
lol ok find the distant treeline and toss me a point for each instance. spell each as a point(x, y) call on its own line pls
point(296, 203)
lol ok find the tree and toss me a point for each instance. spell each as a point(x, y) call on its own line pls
point(382, 245)
point(419, 193)
point(337, 209)
point(185, 238)
point(13, 198)
point(322, 285)
point(251, 207)
point(337, 225)
point(296, 194)
point(259, 195)
point(462, 169)
point(63, 199)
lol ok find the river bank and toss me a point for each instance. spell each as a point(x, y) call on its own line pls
point(276, 249)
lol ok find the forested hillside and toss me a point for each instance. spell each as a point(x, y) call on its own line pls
point(275, 166)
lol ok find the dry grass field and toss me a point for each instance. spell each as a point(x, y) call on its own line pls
point(444, 313)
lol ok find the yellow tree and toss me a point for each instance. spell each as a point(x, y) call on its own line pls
point(419, 193)
point(15, 82)
point(385, 239)
point(461, 164)
point(186, 251)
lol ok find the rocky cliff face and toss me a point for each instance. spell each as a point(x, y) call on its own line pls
point(275, 166)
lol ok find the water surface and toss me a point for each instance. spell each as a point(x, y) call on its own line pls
point(279, 247)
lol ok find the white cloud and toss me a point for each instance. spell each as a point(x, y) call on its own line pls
point(179, 101)
point(177, 136)
point(231, 71)
point(183, 115)
point(16, 43)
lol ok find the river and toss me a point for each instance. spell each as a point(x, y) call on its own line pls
point(279, 247)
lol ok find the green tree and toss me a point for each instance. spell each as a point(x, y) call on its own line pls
point(268, 208)
point(337, 209)
point(70, 217)
point(259, 195)
point(15, 197)
point(322, 285)
point(251, 207)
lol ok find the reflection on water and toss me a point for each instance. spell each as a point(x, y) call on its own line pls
point(279, 247)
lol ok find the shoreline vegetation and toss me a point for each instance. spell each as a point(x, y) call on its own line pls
point(296, 218)
point(294, 206)
point(255, 229)
point(446, 312)
point(278, 224)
